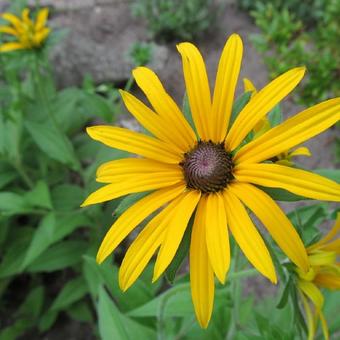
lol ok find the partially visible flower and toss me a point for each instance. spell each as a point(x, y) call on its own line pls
point(285, 157)
point(324, 272)
point(27, 33)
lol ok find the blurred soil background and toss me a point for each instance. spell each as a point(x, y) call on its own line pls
point(100, 35)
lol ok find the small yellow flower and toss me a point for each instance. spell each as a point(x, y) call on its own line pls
point(207, 173)
point(324, 272)
point(285, 157)
point(28, 34)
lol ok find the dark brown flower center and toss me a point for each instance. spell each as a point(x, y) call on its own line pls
point(207, 167)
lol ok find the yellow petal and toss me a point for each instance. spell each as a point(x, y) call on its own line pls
point(247, 237)
point(201, 272)
point(261, 104)
point(249, 86)
point(323, 325)
point(164, 105)
point(313, 293)
point(197, 86)
point(302, 151)
point(322, 258)
point(133, 216)
point(273, 218)
point(225, 85)
point(217, 235)
point(11, 46)
point(293, 131)
point(327, 281)
point(26, 17)
point(116, 170)
point(41, 19)
point(309, 317)
point(299, 182)
point(15, 21)
point(40, 36)
point(152, 122)
point(8, 30)
point(131, 184)
point(145, 245)
point(134, 142)
point(332, 233)
point(175, 231)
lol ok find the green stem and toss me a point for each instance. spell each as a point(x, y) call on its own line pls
point(129, 84)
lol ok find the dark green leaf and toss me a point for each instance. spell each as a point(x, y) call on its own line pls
point(282, 195)
point(32, 306)
point(128, 201)
point(39, 196)
point(333, 174)
point(275, 116)
point(80, 311)
point(110, 322)
point(285, 294)
point(73, 291)
point(59, 256)
point(53, 142)
point(47, 320)
point(66, 197)
point(239, 104)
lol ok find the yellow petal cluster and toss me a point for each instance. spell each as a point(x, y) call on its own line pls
point(324, 272)
point(25, 32)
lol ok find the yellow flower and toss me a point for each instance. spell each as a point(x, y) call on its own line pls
point(324, 272)
point(285, 157)
point(208, 174)
point(28, 34)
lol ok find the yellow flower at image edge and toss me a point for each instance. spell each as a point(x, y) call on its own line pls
point(207, 174)
point(324, 272)
point(27, 34)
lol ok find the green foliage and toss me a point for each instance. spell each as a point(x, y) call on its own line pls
point(176, 20)
point(287, 40)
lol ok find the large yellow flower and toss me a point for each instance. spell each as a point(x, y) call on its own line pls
point(324, 272)
point(27, 34)
point(208, 173)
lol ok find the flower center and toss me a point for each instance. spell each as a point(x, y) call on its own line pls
point(207, 167)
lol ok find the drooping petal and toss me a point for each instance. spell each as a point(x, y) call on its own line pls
point(323, 325)
point(41, 35)
point(313, 293)
point(175, 231)
point(26, 17)
point(41, 19)
point(225, 85)
point(327, 281)
point(309, 317)
point(8, 30)
point(133, 216)
point(134, 142)
point(292, 132)
point(132, 184)
point(297, 181)
point(247, 237)
point(331, 234)
point(201, 272)
point(144, 246)
point(273, 218)
point(197, 86)
point(164, 105)
point(117, 170)
point(302, 151)
point(217, 235)
point(15, 21)
point(260, 104)
point(11, 46)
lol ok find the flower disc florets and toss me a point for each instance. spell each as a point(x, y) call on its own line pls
point(207, 167)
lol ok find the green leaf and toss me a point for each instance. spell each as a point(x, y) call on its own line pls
point(53, 142)
point(47, 320)
point(239, 104)
point(31, 308)
point(187, 112)
point(39, 196)
point(80, 311)
point(6, 176)
point(12, 203)
point(109, 318)
point(97, 106)
point(59, 256)
point(66, 197)
point(72, 292)
point(285, 295)
point(275, 116)
point(181, 253)
point(128, 201)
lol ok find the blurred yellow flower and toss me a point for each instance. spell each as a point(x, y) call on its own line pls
point(285, 157)
point(205, 172)
point(28, 34)
point(324, 272)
